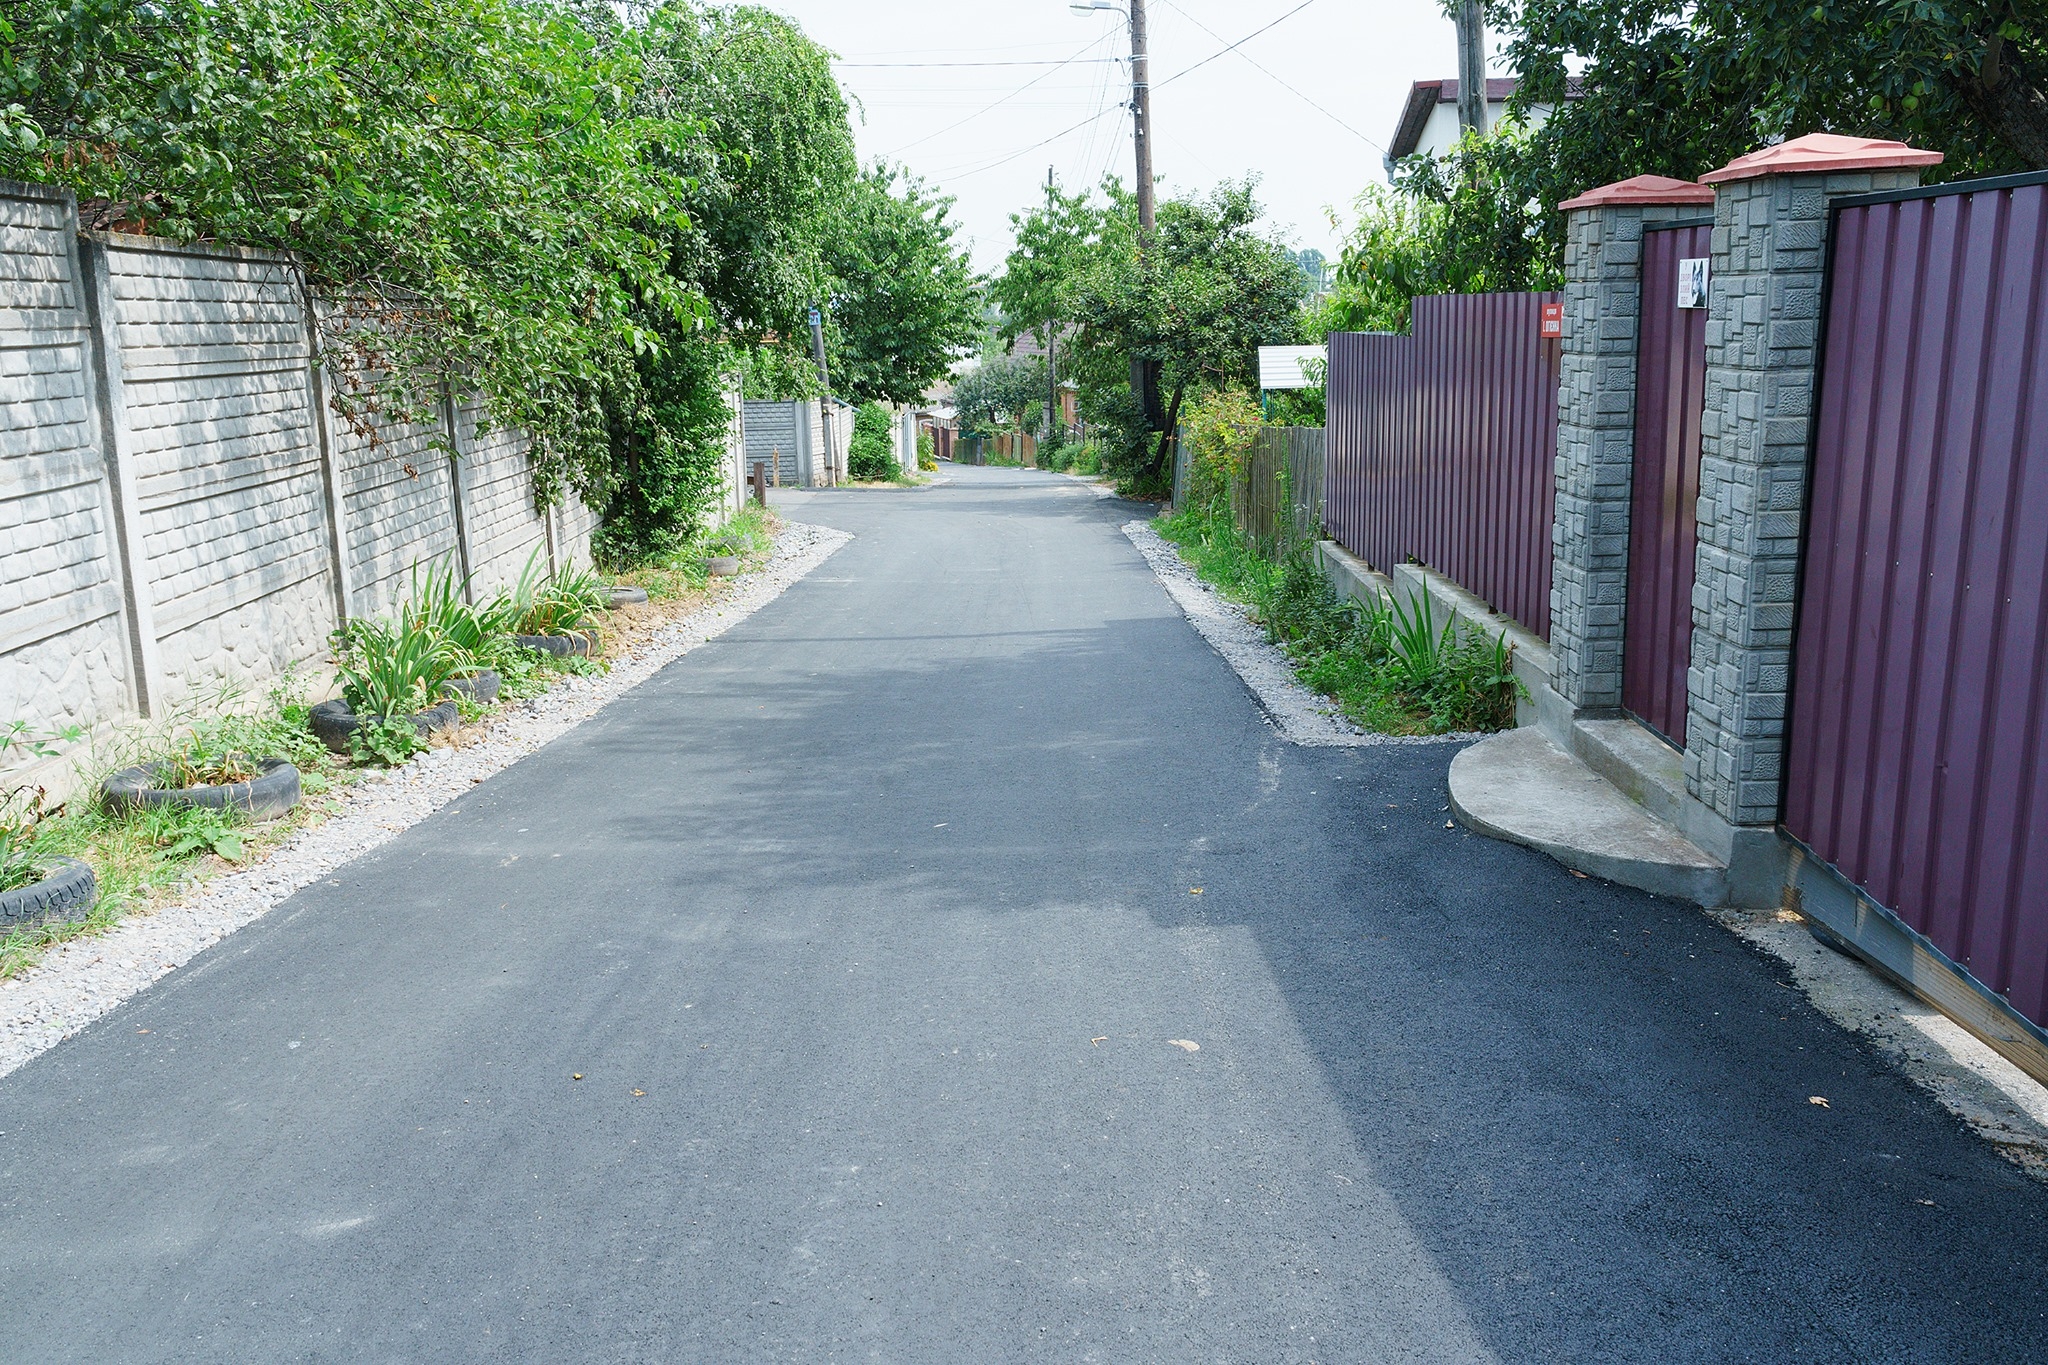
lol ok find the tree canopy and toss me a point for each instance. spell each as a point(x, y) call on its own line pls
point(589, 215)
point(905, 302)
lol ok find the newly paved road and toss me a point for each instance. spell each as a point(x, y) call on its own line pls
point(886, 901)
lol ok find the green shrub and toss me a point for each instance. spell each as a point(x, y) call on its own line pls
point(927, 450)
point(1392, 667)
point(871, 456)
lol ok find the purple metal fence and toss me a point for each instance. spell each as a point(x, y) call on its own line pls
point(1663, 528)
point(1442, 446)
point(1918, 762)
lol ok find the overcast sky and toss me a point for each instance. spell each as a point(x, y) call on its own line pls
point(1354, 58)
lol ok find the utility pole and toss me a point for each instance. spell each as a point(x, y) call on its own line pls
point(1471, 68)
point(1052, 336)
point(1144, 373)
point(1141, 119)
point(825, 403)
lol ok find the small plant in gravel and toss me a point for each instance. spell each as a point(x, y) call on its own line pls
point(22, 812)
point(181, 832)
point(1392, 667)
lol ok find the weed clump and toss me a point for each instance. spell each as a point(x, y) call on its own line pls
point(1393, 667)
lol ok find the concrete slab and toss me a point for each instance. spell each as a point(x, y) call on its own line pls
point(1636, 760)
point(1520, 787)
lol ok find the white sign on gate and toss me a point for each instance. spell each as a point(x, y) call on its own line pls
point(1692, 282)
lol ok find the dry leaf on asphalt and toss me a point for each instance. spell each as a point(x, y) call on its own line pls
point(575, 1075)
point(1185, 1044)
point(1821, 1100)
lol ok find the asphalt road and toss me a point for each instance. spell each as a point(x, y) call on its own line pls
point(892, 901)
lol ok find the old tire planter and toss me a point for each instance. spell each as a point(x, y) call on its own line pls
point(561, 646)
point(65, 895)
point(333, 722)
point(628, 597)
point(481, 686)
point(273, 791)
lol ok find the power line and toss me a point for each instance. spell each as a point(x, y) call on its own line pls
point(1026, 151)
point(1005, 99)
point(1090, 61)
point(1277, 78)
point(1234, 46)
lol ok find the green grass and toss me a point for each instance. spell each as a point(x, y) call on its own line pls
point(1391, 668)
point(750, 535)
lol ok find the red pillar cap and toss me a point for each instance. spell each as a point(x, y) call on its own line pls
point(1640, 190)
point(1819, 152)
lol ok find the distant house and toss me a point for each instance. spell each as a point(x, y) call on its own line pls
point(1429, 121)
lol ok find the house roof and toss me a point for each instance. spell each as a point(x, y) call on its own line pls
point(1425, 96)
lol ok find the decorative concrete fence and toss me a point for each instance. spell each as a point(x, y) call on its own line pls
point(178, 505)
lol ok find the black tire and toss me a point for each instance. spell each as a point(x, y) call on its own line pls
point(481, 686)
point(628, 597)
point(333, 722)
point(65, 895)
point(273, 791)
point(561, 646)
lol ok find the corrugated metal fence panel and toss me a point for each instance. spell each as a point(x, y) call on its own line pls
point(1918, 762)
point(1663, 530)
point(1443, 446)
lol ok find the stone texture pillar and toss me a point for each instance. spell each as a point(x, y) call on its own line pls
point(1763, 331)
point(1596, 414)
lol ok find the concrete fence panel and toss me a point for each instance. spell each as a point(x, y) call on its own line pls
point(64, 653)
point(220, 427)
point(179, 505)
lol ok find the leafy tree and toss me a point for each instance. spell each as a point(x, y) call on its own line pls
point(905, 304)
point(755, 128)
point(1678, 88)
point(1003, 391)
point(462, 179)
point(1199, 301)
point(1057, 246)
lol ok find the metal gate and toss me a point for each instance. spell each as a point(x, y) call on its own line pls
point(1917, 763)
point(1671, 389)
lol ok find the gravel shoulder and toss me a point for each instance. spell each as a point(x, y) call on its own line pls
point(80, 980)
point(1302, 716)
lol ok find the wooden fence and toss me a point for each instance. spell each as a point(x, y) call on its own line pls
point(1277, 502)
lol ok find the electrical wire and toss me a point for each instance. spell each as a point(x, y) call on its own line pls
point(1004, 100)
point(1187, 70)
point(1184, 71)
point(1281, 81)
point(1090, 61)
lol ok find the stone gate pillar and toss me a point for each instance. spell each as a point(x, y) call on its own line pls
point(1764, 325)
point(1596, 415)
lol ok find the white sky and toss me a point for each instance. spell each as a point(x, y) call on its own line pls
point(1355, 58)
